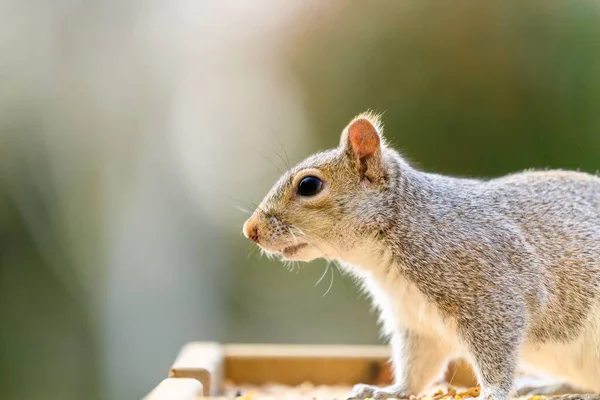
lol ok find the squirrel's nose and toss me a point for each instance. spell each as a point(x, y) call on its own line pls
point(250, 230)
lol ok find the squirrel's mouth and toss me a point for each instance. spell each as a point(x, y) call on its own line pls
point(291, 250)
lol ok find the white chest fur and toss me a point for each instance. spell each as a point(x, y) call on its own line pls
point(400, 303)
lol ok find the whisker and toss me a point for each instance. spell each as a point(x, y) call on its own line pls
point(327, 267)
point(342, 275)
point(243, 210)
point(281, 158)
point(243, 203)
point(322, 275)
point(294, 236)
point(287, 159)
point(451, 380)
point(270, 161)
point(251, 251)
point(331, 284)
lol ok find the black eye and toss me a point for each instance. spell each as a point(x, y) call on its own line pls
point(309, 186)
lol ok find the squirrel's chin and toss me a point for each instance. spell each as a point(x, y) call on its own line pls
point(305, 252)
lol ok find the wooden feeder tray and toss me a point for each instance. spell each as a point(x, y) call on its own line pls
point(202, 368)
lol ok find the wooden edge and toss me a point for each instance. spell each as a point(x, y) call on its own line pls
point(176, 389)
point(202, 361)
point(304, 351)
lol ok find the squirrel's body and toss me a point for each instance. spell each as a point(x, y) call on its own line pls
point(542, 226)
point(504, 272)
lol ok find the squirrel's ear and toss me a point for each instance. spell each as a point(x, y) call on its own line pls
point(362, 142)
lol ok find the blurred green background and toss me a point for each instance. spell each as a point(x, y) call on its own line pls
point(132, 131)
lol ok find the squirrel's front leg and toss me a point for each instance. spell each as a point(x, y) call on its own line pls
point(417, 359)
point(493, 338)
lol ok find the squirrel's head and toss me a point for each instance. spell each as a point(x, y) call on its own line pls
point(327, 204)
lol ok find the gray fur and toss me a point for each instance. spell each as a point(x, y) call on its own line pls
point(510, 261)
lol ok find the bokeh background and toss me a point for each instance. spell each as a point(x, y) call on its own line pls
point(133, 132)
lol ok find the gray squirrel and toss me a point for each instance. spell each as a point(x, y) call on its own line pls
point(503, 272)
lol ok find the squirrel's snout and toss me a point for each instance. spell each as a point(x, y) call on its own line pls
point(250, 230)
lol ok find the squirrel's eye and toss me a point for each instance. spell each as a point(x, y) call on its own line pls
point(309, 186)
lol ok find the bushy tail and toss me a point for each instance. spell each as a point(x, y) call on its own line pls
point(575, 397)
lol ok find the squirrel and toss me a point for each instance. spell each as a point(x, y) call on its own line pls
point(503, 272)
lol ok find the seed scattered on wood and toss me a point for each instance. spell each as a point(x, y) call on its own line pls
point(309, 391)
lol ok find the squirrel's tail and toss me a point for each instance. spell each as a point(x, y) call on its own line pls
point(575, 397)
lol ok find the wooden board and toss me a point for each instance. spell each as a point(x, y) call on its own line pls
point(295, 364)
point(202, 361)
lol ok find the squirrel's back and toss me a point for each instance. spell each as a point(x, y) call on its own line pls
point(544, 226)
point(547, 207)
point(558, 204)
point(557, 212)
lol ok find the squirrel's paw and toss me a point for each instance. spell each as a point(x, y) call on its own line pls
point(363, 391)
